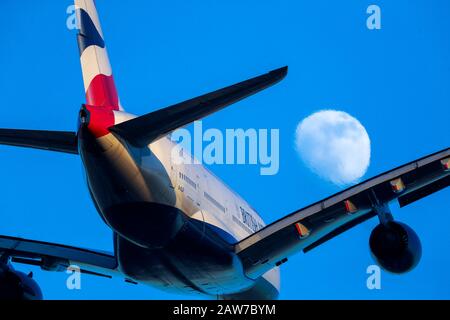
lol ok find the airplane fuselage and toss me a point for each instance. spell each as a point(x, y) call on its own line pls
point(175, 223)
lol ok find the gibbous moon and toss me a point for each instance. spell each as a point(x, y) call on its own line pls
point(334, 145)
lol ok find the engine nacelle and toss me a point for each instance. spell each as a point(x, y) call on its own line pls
point(395, 247)
point(16, 285)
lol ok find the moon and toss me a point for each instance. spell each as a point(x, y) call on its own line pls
point(334, 145)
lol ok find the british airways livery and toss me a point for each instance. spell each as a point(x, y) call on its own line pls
point(176, 225)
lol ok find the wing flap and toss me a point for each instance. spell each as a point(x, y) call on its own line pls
point(424, 191)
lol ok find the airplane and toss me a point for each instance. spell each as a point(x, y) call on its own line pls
point(178, 227)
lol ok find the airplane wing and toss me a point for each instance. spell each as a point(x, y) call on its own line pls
point(307, 228)
point(57, 257)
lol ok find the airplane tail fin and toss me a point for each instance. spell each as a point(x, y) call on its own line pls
point(101, 93)
point(97, 73)
point(102, 101)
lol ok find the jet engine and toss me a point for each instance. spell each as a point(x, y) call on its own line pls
point(395, 247)
point(16, 285)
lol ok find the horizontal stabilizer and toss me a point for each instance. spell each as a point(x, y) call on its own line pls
point(145, 129)
point(62, 141)
point(58, 257)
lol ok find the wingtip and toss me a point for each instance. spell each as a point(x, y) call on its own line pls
point(280, 72)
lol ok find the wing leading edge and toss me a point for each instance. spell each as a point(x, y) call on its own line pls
point(311, 226)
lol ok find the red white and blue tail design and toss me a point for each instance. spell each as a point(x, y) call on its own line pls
point(97, 73)
point(102, 113)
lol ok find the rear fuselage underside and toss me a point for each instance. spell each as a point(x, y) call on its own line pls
point(157, 242)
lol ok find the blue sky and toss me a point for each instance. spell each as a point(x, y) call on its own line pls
point(395, 81)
